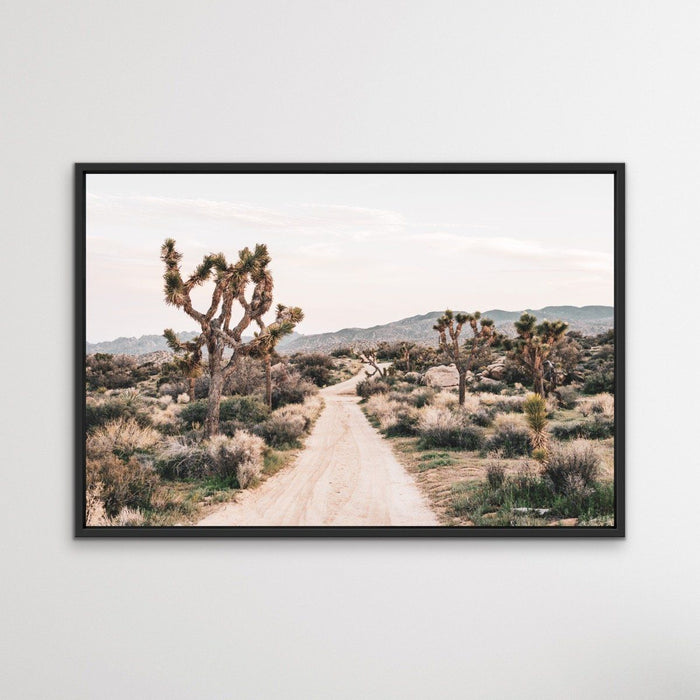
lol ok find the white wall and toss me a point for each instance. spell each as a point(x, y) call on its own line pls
point(350, 81)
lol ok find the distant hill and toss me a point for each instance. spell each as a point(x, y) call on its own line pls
point(589, 320)
point(149, 343)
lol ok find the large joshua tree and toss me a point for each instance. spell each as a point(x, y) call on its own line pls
point(220, 331)
point(449, 327)
point(534, 348)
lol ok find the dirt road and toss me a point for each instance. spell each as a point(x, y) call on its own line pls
point(347, 475)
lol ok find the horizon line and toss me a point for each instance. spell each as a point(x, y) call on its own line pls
point(376, 325)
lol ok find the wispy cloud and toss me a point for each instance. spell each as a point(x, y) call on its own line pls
point(518, 248)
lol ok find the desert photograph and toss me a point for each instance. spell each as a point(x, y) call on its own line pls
point(349, 349)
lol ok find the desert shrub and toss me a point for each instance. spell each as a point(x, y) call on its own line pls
point(421, 396)
point(247, 410)
point(104, 371)
point(127, 404)
point(288, 386)
point(567, 397)
point(284, 427)
point(238, 458)
point(440, 427)
point(495, 475)
point(123, 437)
point(248, 378)
point(404, 423)
point(483, 417)
point(315, 366)
point(179, 458)
point(502, 404)
point(371, 386)
point(573, 469)
point(448, 400)
point(511, 437)
point(491, 386)
point(120, 484)
point(601, 404)
point(598, 428)
point(599, 382)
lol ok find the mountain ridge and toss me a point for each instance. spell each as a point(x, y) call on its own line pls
point(590, 320)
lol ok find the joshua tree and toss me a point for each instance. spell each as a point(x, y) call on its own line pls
point(483, 335)
point(406, 349)
point(187, 362)
point(534, 348)
point(369, 357)
point(218, 334)
point(267, 338)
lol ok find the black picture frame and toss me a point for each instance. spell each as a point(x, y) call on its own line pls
point(84, 169)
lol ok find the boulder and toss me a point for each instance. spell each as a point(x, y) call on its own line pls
point(496, 369)
point(442, 376)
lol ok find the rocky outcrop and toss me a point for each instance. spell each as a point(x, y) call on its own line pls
point(442, 376)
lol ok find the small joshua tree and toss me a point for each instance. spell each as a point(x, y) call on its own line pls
point(535, 409)
point(406, 349)
point(534, 348)
point(187, 362)
point(449, 327)
point(369, 357)
point(218, 334)
point(267, 338)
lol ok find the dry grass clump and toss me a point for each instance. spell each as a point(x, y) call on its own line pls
point(511, 436)
point(600, 404)
point(239, 457)
point(286, 425)
point(502, 403)
point(440, 427)
point(445, 399)
point(123, 436)
point(181, 458)
point(573, 468)
point(394, 417)
point(118, 484)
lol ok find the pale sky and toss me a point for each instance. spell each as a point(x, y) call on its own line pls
point(352, 250)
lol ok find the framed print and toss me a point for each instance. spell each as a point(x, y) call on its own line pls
point(349, 350)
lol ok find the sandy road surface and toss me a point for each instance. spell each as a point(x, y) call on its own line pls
point(347, 475)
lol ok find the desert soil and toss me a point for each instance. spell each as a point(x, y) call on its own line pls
point(346, 475)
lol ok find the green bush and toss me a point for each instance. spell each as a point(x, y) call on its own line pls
point(315, 366)
point(511, 438)
point(246, 410)
point(490, 386)
point(598, 428)
point(599, 382)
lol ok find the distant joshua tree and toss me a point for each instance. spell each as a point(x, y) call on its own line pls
point(406, 349)
point(369, 357)
point(534, 349)
point(483, 335)
point(218, 335)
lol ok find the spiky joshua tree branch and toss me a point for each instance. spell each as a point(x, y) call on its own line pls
point(449, 327)
point(220, 330)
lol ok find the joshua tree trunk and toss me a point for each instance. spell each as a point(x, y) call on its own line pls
point(192, 381)
point(462, 387)
point(539, 385)
point(268, 382)
point(216, 385)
